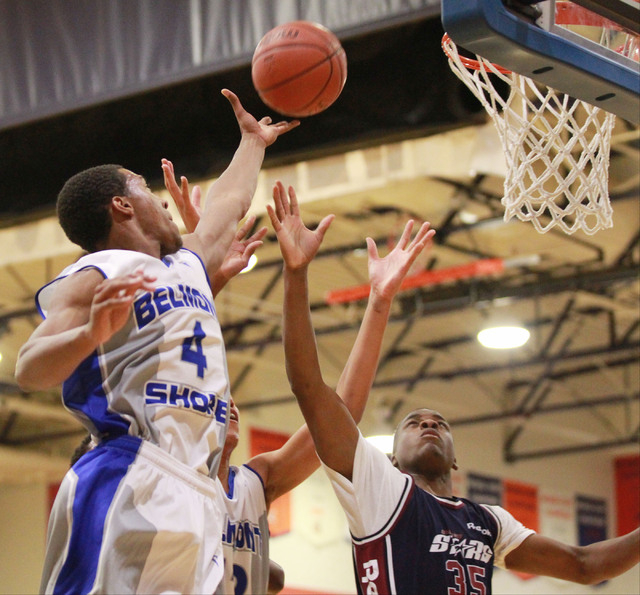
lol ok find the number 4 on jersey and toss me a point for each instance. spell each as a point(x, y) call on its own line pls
point(192, 351)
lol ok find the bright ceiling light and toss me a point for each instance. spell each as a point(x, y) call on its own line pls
point(253, 261)
point(467, 217)
point(383, 442)
point(503, 337)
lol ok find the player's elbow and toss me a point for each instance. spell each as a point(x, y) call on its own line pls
point(301, 388)
point(25, 380)
point(585, 573)
point(303, 383)
point(30, 376)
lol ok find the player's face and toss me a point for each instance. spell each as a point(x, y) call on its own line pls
point(424, 444)
point(153, 215)
point(233, 432)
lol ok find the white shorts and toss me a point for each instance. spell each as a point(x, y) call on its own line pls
point(129, 518)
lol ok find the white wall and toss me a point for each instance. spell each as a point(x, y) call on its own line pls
point(23, 518)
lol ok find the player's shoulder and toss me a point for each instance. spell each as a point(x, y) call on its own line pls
point(69, 290)
point(76, 283)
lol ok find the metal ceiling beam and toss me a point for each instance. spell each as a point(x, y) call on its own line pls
point(244, 373)
point(230, 341)
point(607, 400)
point(513, 457)
point(542, 381)
point(625, 360)
point(489, 369)
point(626, 256)
point(463, 294)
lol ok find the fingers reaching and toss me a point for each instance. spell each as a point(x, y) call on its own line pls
point(387, 274)
point(298, 243)
point(264, 128)
point(323, 226)
point(420, 240)
point(372, 249)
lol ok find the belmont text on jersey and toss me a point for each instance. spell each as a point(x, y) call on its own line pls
point(242, 535)
point(150, 306)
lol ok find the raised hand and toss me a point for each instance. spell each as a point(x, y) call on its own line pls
point(242, 248)
point(264, 129)
point(386, 274)
point(188, 206)
point(111, 304)
point(298, 244)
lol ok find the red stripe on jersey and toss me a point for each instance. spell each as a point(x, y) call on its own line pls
point(371, 567)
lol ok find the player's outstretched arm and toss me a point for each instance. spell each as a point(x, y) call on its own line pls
point(243, 245)
point(587, 565)
point(285, 468)
point(332, 428)
point(229, 197)
point(385, 276)
point(86, 310)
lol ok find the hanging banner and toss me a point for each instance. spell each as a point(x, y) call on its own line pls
point(521, 500)
point(591, 519)
point(484, 489)
point(280, 510)
point(627, 472)
point(557, 517)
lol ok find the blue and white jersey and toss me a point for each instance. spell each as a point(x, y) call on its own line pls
point(406, 540)
point(163, 377)
point(245, 534)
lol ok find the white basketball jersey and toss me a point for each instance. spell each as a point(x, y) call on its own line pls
point(163, 376)
point(245, 534)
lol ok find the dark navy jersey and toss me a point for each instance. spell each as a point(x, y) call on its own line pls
point(457, 537)
point(406, 540)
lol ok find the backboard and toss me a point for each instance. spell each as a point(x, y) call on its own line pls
point(588, 49)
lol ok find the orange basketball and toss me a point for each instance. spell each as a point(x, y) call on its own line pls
point(299, 68)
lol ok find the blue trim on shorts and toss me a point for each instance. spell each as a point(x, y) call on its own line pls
point(100, 472)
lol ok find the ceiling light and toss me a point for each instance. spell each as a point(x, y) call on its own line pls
point(503, 337)
point(253, 261)
point(467, 217)
point(383, 442)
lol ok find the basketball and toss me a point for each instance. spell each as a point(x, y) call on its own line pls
point(299, 69)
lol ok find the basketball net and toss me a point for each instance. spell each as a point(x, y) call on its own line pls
point(556, 147)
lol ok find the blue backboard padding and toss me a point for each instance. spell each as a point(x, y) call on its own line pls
point(487, 28)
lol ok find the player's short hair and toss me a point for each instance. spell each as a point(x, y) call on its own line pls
point(82, 448)
point(83, 204)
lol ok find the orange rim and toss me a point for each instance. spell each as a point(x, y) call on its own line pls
point(469, 63)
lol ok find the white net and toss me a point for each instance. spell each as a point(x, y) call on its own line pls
point(556, 148)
